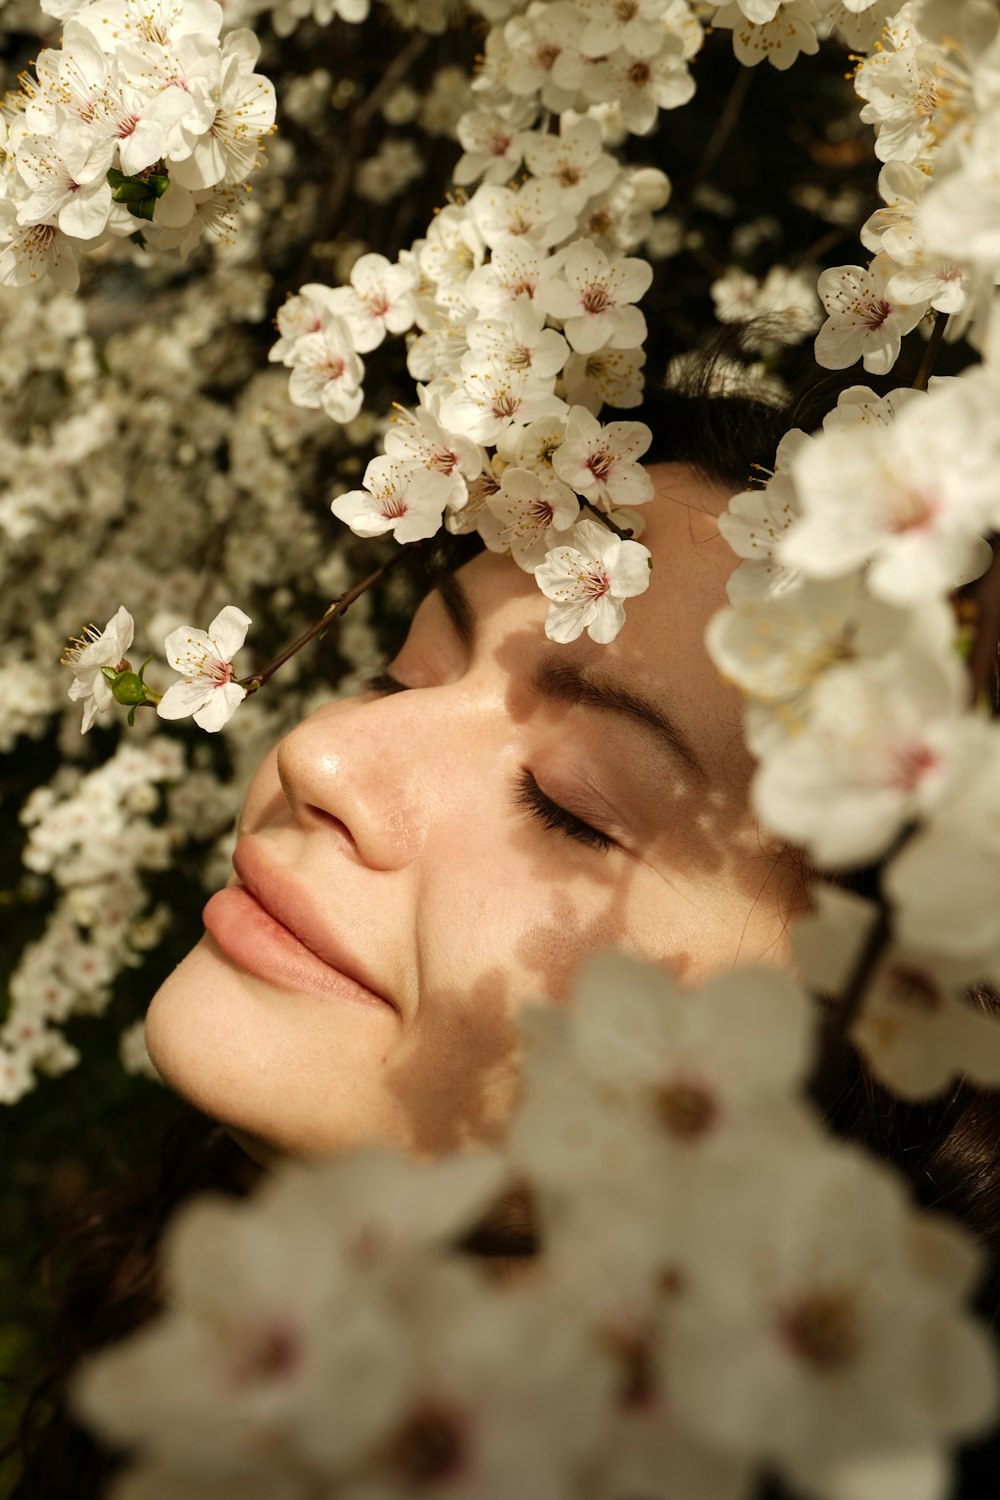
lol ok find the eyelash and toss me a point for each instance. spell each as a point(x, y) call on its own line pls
point(529, 794)
point(531, 797)
point(384, 682)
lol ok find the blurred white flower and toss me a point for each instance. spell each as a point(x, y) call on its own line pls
point(777, 650)
point(912, 497)
point(943, 883)
point(884, 740)
point(915, 1027)
point(754, 524)
point(816, 1333)
point(639, 1082)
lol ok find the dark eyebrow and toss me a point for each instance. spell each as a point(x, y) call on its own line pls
point(564, 682)
point(457, 606)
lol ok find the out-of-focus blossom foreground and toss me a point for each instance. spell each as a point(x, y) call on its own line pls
point(724, 1291)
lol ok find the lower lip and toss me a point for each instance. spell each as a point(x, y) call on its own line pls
point(259, 944)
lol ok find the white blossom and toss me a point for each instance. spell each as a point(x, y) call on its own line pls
point(594, 297)
point(915, 1027)
point(602, 462)
point(863, 322)
point(815, 1336)
point(525, 516)
point(326, 371)
point(587, 580)
point(400, 496)
point(205, 661)
point(884, 741)
point(378, 301)
point(913, 497)
point(790, 31)
point(91, 652)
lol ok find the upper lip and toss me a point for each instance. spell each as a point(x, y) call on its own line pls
point(292, 907)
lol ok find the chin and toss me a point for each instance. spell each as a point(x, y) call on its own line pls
point(194, 1029)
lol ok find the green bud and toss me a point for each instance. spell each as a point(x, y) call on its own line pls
point(128, 687)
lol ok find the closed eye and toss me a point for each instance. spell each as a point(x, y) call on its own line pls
point(384, 682)
point(530, 796)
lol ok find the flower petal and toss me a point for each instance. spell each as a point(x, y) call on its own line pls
point(220, 707)
point(183, 699)
point(229, 630)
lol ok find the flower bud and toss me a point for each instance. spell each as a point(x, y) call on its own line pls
point(127, 687)
point(651, 188)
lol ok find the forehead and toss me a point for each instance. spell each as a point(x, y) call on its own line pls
point(660, 650)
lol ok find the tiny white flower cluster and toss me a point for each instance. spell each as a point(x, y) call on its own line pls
point(711, 1268)
point(143, 119)
point(520, 304)
point(94, 836)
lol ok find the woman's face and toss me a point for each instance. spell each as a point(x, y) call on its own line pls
point(413, 865)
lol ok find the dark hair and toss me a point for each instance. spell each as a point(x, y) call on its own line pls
point(948, 1148)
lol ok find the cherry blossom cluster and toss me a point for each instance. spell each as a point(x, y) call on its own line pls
point(143, 123)
point(840, 630)
point(520, 310)
point(711, 1267)
point(932, 91)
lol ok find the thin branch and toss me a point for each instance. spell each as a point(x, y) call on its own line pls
point(605, 520)
point(931, 353)
point(353, 136)
point(842, 1015)
point(339, 607)
point(724, 127)
point(983, 656)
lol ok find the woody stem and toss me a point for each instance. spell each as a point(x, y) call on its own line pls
point(605, 520)
point(338, 607)
point(931, 353)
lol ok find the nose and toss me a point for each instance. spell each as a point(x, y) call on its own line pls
point(372, 773)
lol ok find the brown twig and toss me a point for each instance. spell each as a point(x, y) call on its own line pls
point(931, 353)
point(354, 134)
point(605, 520)
point(724, 127)
point(339, 607)
point(983, 656)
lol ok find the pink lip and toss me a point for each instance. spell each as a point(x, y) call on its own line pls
point(267, 926)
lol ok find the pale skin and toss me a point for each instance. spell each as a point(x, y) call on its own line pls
point(402, 814)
